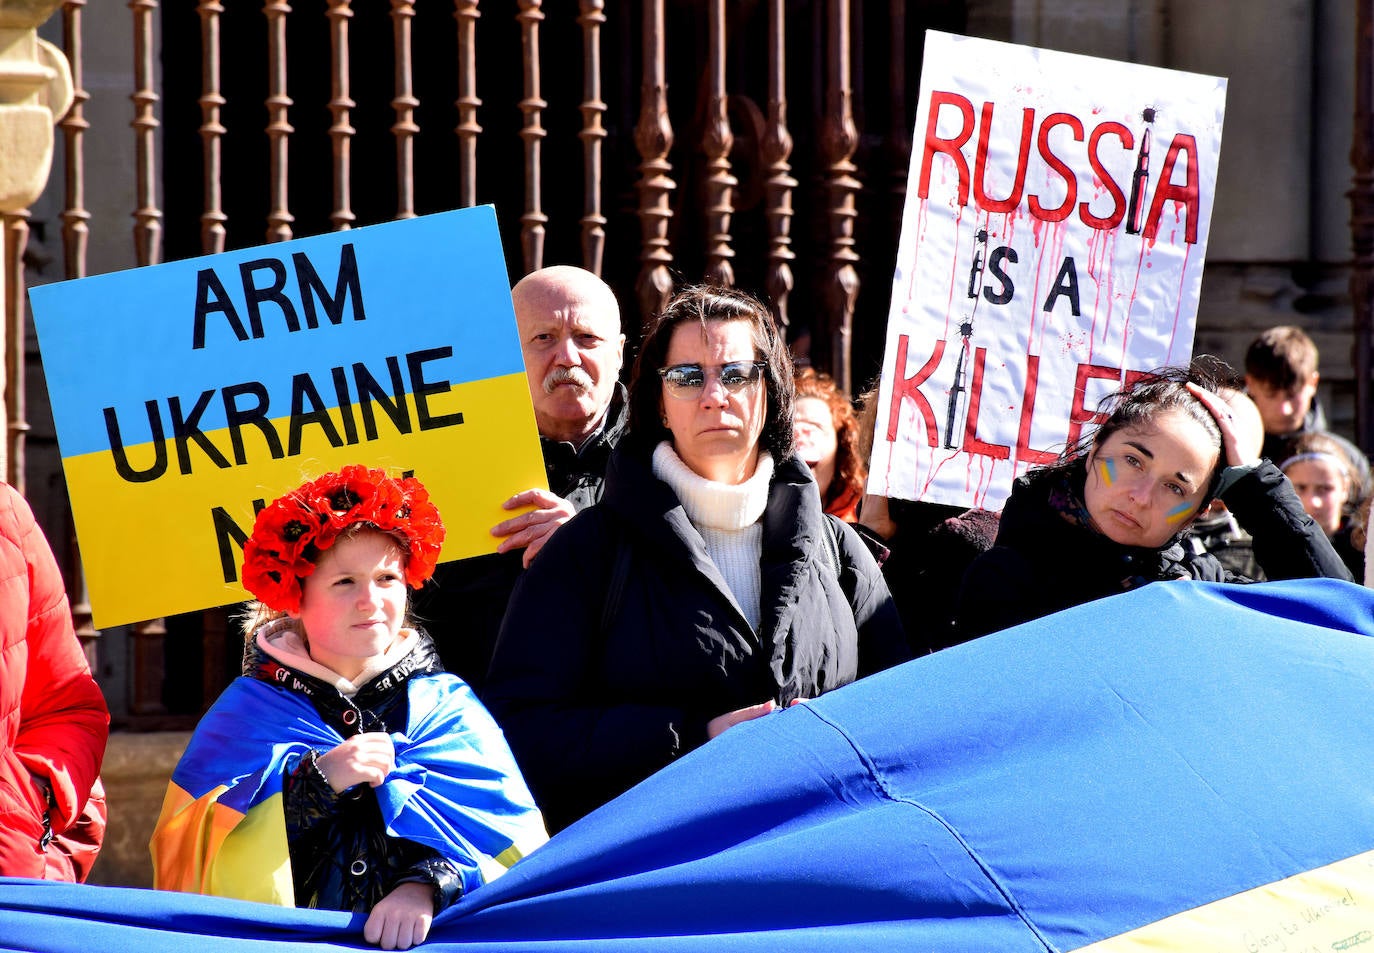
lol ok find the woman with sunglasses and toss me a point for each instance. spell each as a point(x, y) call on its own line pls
point(705, 589)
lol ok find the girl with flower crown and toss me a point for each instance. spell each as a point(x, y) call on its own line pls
point(344, 769)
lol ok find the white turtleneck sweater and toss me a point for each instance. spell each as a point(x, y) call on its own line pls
point(727, 517)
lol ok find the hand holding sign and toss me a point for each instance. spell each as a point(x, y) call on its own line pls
point(532, 528)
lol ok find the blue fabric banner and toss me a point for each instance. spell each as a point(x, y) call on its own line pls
point(1185, 766)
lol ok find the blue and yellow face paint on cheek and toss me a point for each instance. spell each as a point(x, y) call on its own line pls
point(1106, 471)
point(1179, 513)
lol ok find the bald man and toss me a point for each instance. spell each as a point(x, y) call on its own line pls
point(569, 325)
point(570, 336)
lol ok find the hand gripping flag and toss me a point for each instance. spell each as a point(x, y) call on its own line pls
point(455, 788)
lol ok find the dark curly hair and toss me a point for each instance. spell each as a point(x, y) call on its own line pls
point(702, 303)
point(1157, 392)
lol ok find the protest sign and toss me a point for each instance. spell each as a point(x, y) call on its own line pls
point(188, 395)
point(1052, 247)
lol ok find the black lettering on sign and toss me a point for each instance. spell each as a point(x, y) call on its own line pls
point(228, 533)
point(121, 459)
point(212, 298)
point(1065, 284)
point(248, 404)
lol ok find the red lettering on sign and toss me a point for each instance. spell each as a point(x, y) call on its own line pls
point(1079, 414)
point(949, 147)
point(1024, 452)
point(986, 202)
point(1065, 208)
point(972, 442)
point(1167, 191)
point(904, 387)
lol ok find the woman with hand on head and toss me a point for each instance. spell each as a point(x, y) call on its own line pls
point(349, 771)
point(1111, 513)
point(706, 588)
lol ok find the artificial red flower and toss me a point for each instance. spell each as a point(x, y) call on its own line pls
point(290, 534)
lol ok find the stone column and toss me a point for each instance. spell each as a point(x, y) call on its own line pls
point(1362, 230)
point(35, 92)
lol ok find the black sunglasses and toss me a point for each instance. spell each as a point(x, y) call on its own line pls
point(687, 381)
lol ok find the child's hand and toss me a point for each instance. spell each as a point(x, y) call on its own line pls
point(719, 723)
point(401, 919)
point(363, 759)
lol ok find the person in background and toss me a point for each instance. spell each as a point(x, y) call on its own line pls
point(569, 326)
point(53, 719)
point(1281, 377)
point(706, 589)
point(1324, 480)
point(344, 769)
point(1110, 514)
point(1215, 530)
point(928, 546)
point(1363, 540)
point(827, 442)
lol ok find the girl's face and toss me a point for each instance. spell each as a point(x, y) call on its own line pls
point(813, 426)
point(1323, 489)
point(353, 604)
point(1145, 483)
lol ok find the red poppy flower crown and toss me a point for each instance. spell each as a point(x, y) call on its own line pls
point(289, 534)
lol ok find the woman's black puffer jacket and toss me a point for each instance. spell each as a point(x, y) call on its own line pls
point(603, 675)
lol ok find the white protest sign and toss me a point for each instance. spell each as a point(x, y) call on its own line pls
point(1051, 249)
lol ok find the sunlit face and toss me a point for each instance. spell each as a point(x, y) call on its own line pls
point(354, 603)
point(1283, 411)
point(1145, 483)
point(717, 432)
point(573, 350)
point(813, 426)
point(1323, 488)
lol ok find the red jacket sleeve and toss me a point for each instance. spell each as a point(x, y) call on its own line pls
point(63, 721)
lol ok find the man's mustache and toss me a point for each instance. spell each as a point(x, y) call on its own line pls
point(567, 375)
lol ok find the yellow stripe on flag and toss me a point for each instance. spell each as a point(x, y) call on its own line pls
point(202, 846)
point(1330, 908)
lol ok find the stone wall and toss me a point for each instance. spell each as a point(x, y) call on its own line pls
point(1240, 300)
point(135, 772)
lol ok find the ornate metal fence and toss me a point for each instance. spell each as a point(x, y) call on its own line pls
point(751, 142)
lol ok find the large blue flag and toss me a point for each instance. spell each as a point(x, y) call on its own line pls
point(1183, 767)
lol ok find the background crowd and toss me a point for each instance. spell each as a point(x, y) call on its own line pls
point(705, 554)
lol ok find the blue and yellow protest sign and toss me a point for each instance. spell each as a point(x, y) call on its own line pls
point(187, 395)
